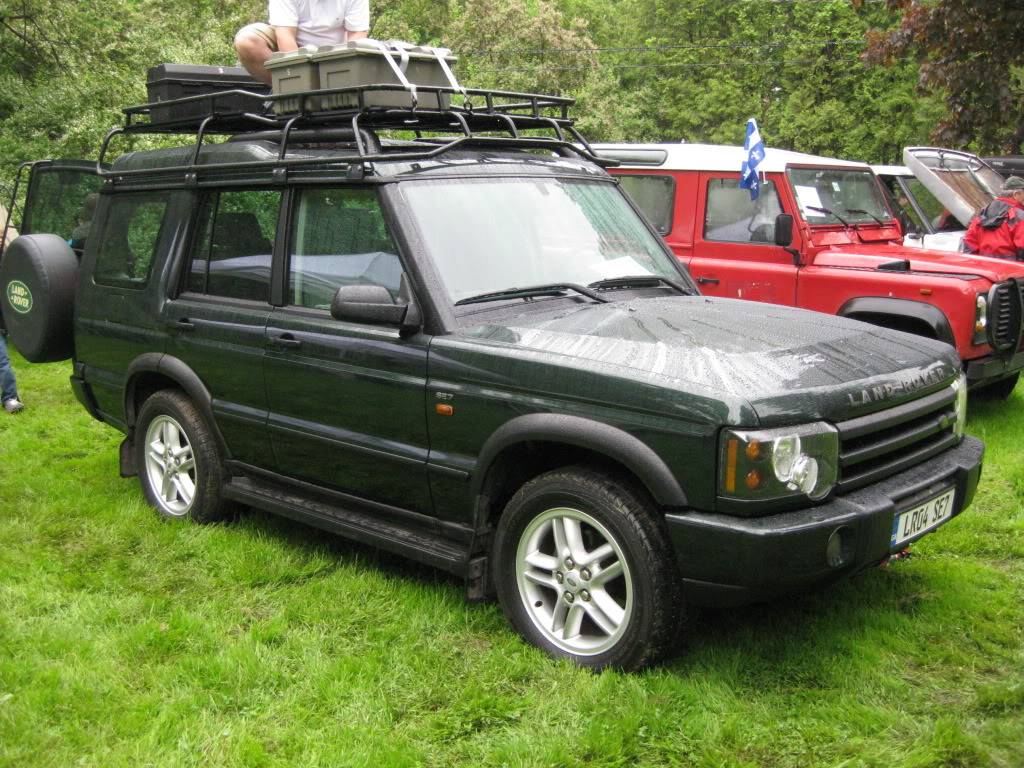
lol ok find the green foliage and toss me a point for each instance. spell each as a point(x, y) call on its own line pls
point(973, 53)
point(666, 70)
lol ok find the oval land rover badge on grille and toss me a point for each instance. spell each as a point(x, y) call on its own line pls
point(19, 297)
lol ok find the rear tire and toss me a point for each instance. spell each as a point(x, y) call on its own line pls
point(584, 570)
point(180, 465)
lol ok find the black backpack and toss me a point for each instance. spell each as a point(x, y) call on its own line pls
point(994, 214)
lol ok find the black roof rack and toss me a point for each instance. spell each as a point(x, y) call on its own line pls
point(506, 113)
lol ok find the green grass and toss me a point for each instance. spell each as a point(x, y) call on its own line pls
point(127, 641)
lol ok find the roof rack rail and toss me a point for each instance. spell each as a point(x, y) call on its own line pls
point(507, 113)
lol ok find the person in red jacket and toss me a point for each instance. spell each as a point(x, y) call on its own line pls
point(998, 228)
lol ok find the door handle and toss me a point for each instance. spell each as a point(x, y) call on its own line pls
point(707, 280)
point(185, 325)
point(285, 341)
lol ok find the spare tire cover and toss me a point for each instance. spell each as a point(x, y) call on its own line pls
point(38, 278)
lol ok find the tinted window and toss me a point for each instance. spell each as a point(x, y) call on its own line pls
point(130, 239)
point(941, 220)
point(61, 202)
point(339, 238)
point(909, 218)
point(234, 247)
point(654, 195)
point(731, 215)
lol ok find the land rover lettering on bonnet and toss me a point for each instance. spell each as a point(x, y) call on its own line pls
point(469, 348)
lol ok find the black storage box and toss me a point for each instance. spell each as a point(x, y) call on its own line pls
point(176, 81)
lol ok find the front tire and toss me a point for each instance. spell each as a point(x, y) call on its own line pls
point(584, 570)
point(180, 466)
point(1001, 390)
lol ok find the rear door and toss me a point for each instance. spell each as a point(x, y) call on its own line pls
point(734, 251)
point(217, 320)
point(347, 399)
point(60, 199)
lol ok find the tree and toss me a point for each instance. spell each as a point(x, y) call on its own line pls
point(972, 53)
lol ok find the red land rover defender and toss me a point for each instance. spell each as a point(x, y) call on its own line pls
point(821, 236)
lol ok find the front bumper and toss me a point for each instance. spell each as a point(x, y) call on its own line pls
point(989, 369)
point(728, 560)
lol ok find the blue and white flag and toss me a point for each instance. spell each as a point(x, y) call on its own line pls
point(753, 148)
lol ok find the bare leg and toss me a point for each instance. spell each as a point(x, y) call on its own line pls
point(253, 50)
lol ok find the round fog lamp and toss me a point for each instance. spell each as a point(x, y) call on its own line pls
point(784, 455)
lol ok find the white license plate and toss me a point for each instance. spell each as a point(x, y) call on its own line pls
point(922, 518)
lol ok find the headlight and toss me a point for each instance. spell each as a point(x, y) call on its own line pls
point(765, 464)
point(981, 319)
point(960, 388)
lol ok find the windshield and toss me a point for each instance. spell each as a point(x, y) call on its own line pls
point(496, 234)
point(850, 195)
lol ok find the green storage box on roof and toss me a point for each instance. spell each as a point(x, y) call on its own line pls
point(294, 72)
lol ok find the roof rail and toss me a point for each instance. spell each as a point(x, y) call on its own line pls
point(507, 113)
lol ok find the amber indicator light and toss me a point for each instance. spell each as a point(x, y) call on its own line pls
point(753, 450)
point(730, 465)
point(753, 479)
point(443, 409)
point(926, 291)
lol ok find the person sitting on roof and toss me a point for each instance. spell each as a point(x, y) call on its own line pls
point(296, 23)
point(998, 228)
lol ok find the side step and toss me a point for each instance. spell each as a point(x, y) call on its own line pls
point(364, 527)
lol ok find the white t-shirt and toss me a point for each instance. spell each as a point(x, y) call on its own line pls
point(321, 22)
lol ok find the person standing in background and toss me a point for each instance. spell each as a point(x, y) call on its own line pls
point(998, 228)
point(296, 23)
point(8, 386)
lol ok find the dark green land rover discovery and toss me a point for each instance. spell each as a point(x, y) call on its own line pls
point(475, 352)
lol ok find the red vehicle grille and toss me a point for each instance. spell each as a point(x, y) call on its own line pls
point(1005, 314)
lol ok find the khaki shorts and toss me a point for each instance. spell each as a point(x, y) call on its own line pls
point(259, 29)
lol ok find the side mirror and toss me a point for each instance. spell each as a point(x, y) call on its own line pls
point(373, 304)
point(784, 230)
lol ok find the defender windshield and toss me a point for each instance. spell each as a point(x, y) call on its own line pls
point(497, 234)
point(834, 195)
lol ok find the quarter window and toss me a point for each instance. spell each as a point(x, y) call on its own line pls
point(234, 248)
point(339, 237)
point(654, 195)
point(130, 239)
point(731, 215)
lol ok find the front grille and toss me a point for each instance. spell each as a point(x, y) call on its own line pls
point(878, 445)
point(1005, 312)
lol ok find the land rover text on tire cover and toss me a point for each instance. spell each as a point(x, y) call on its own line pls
point(475, 352)
point(821, 236)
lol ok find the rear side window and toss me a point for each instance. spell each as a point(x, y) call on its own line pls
point(130, 239)
point(654, 195)
point(731, 216)
point(339, 238)
point(234, 246)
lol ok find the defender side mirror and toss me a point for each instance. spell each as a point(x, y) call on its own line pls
point(373, 304)
point(784, 230)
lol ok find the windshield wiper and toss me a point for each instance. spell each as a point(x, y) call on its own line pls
point(866, 213)
point(828, 212)
point(550, 289)
point(640, 281)
point(842, 221)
